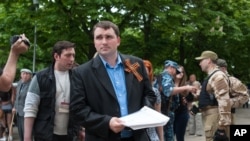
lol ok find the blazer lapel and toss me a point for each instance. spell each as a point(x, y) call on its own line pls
point(102, 75)
point(128, 76)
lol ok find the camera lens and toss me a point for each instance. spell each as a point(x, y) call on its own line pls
point(14, 38)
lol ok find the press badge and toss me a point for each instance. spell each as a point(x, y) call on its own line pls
point(64, 107)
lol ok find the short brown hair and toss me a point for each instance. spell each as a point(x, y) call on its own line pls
point(107, 25)
point(61, 45)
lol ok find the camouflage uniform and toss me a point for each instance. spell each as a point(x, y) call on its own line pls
point(236, 86)
point(237, 90)
point(217, 116)
point(167, 88)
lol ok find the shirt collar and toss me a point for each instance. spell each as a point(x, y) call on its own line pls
point(119, 61)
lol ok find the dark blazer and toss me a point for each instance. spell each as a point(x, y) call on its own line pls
point(94, 103)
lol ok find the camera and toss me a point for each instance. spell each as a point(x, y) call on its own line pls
point(195, 109)
point(190, 97)
point(14, 38)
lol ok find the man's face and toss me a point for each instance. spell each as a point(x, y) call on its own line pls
point(192, 78)
point(171, 70)
point(204, 64)
point(25, 76)
point(106, 41)
point(66, 60)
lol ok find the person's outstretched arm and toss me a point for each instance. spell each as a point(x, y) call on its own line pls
point(9, 70)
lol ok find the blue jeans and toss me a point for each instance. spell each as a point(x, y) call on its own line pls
point(180, 124)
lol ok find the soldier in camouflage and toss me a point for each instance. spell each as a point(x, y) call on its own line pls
point(214, 99)
point(238, 91)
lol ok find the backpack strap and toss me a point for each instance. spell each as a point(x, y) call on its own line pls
point(212, 74)
point(205, 99)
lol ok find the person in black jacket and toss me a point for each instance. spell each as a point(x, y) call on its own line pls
point(109, 86)
point(46, 111)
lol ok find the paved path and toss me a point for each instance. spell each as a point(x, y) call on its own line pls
point(15, 134)
point(242, 117)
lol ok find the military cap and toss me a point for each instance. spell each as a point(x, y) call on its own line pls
point(207, 54)
point(172, 64)
point(221, 63)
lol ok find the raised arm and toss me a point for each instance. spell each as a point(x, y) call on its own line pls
point(9, 70)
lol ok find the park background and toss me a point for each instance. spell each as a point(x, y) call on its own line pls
point(156, 30)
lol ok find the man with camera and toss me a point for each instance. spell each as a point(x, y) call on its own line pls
point(19, 45)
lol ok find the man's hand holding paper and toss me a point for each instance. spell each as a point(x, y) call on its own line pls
point(145, 118)
point(116, 124)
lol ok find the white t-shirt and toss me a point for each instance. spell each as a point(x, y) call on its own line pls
point(62, 101)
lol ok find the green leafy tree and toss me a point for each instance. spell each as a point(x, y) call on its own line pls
point(156, 30)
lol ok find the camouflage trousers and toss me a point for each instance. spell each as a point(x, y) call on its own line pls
point(168, 129)
point(210, 121)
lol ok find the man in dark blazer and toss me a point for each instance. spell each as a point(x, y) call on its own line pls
point(109, 86)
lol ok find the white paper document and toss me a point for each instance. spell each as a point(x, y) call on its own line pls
point(145, 118)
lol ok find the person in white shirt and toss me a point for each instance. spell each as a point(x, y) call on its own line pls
point(46, 108)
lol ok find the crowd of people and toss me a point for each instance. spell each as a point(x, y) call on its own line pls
point(69, 102)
